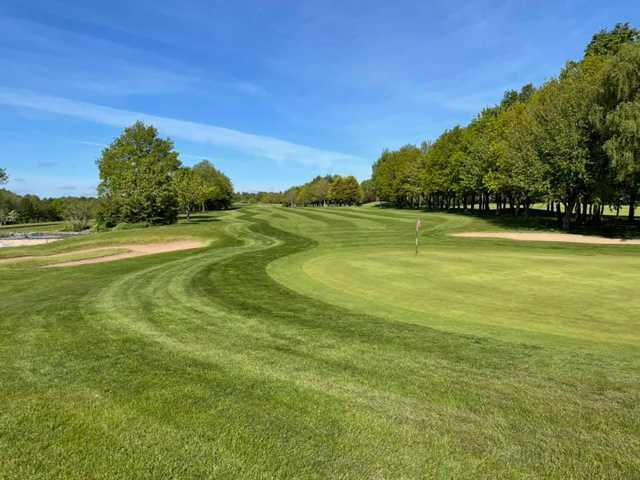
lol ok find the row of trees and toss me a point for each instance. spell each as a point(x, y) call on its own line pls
point(16, 208)
point(275, 198)
point(573, 143)
point(324, 191)
point(143, 181)
point(321, 191)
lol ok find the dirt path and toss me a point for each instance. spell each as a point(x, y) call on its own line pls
point(134, 250)
point(550, 237)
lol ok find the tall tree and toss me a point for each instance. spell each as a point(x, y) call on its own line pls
point(519, 173)
point(607, 42)
point(620, 106)
point(136, 178)
point(564, 134)
point(351, 193)
point(220, 188)
point(368, 192)
point(191, 190)
point(3, 176)
point(78, 212)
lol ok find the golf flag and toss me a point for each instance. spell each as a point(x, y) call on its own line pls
point(418, 227)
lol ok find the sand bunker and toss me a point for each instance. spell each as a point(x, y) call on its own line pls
point(133, 250)
point(550, 237)
point(25, 242)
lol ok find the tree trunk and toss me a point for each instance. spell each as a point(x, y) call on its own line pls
point(632, 205)
point(568, 211)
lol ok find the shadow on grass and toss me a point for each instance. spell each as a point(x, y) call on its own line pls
point(610, 226)
point(200, 219)
point(542, 220)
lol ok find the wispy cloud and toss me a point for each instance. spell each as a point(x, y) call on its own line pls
point(47, 164)
point(247, 143)
point(52, 184)
point(91, 144)
point(195, 157)
point(248, 88)
point(103, 145)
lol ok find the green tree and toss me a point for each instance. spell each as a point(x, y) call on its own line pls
point(607, 42)
point(351, 193)
point(3, 176)
point(620, 108)
point(78, 213)
point(368, 191)
point(218, 194)
point(191, 190)
point(136, 178)
point(319, 190)
point(336, 193)
point(396, 176)
point(291, 196)
point(12, 217)
point(520, 172)
point(564, 133)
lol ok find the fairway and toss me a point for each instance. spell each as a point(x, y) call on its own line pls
point(315, 343)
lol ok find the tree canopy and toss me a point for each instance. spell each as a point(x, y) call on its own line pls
point(136, 178)
point(609, 42)
point(573, 142)
point(219, 189)
point(324, 191)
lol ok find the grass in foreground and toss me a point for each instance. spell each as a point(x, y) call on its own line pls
point(310, 343)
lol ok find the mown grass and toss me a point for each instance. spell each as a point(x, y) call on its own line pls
point(284, 350)
point(32, 227)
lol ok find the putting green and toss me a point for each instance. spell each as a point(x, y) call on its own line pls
point(515, 294)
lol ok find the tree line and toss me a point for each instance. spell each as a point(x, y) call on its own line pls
point(323, 191)
point(16, 208)
point(572, 143)
point(274, 198)
point(327, 190)
point(143, 181)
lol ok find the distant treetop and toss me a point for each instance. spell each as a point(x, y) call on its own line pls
point(607, 42)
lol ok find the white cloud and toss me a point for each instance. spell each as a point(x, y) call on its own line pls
point(247, 143)
point(91, 144)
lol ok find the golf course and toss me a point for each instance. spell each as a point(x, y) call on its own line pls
point(316, 343)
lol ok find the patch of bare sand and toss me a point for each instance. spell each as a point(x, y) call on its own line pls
point(133, 250)
point(550, 237)
point(25, 242)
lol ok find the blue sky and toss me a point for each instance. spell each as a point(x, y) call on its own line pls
point(272, 92)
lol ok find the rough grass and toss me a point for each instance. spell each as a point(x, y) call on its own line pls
point(259, 357)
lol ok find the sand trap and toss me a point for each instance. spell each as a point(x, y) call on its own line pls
point(133, 250)
point(550, 237)
point(25, 242)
